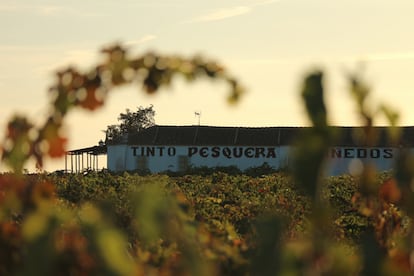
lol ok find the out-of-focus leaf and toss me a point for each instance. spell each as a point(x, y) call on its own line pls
point(35, 225)
point(389, 191)
point(404, 175)
point(18, 145)
point(91, 96)
point(310, 150)
point(153, 212)
point(373, 256)
point(267, 259)
point(312, 94)
point(53, 139)
point(112, 245)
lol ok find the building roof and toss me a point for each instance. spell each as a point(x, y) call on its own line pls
point(94, 150)
point(254, 136)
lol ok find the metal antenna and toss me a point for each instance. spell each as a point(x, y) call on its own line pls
point(197, 113)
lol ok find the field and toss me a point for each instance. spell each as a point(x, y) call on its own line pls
point(217, 223)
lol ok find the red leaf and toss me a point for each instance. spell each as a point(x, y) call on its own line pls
point(91, 101)
point(57, 146)
point(389, 191)
point(56, 142)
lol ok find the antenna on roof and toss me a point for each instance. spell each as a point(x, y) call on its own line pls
point(198, 113)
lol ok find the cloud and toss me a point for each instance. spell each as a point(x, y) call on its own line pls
point(225, 13)
point(142, 40)
point(44, 10)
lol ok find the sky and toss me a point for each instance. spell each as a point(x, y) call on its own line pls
point(269, 45)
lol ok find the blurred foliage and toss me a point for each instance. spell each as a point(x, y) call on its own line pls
point(211, 223)
point(194, 224)
point(88, 90)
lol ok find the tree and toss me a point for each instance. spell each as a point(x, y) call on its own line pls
point(131, 122)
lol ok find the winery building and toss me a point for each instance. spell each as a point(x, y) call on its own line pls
point(178, 148)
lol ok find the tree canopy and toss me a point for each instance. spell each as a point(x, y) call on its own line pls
point(130, 123)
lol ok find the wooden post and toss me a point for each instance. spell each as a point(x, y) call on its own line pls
point(71, 163)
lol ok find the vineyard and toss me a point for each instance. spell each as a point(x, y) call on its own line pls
point(225, 224)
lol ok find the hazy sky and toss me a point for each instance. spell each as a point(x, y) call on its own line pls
point(268, 45)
